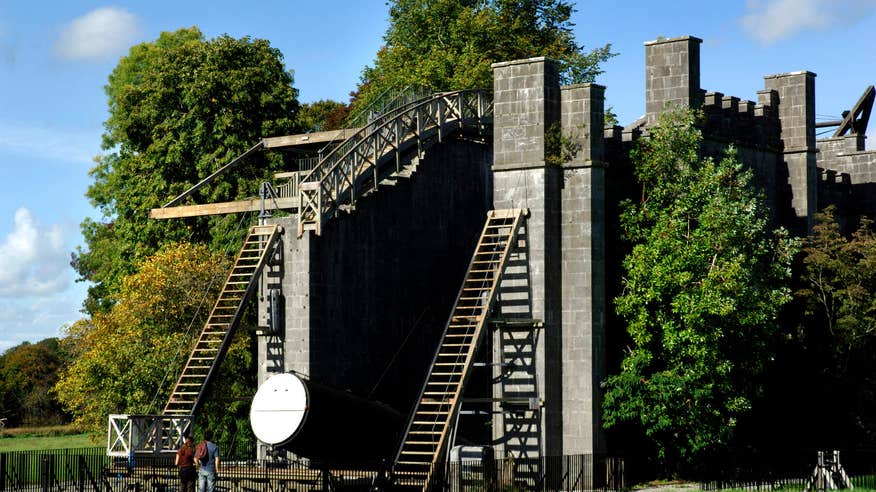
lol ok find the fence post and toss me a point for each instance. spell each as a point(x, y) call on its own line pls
point(3, 472)
point(80, 472)
point(44, 474)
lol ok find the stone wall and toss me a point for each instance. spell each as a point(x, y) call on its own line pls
point(557, 276)
point(796, 102)
point(366, 302)
point(849, 174)
point(672, 75)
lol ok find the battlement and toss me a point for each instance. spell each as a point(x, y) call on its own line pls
point(741, 121)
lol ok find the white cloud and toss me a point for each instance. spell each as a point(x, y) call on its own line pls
point(35, 319)
point(58, 144)
point(98, 35)
point(34, 260)
point(768, 21)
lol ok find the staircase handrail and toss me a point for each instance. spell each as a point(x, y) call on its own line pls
point(382, 105)
point(272, 237)
point(516, 215)
point(332, 165)
point(361, 133)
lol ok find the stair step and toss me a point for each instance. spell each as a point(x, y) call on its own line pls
point(222, 317)
point(429, 423)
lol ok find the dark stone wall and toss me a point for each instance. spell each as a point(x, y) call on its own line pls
point(383, 279)
point(848, 176)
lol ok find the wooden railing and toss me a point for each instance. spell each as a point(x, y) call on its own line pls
point(356, 166)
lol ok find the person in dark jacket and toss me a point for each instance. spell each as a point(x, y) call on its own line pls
point(185, 461)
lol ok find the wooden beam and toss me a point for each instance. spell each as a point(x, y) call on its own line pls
point(254, 205)
point(308, 138)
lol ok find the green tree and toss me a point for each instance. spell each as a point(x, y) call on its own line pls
point(27, 374)
point(840, 280)
point(180, 107)
point(450, 44)
point(703, 286)
point(838, 335)
point(323, 115)
point(127, 358)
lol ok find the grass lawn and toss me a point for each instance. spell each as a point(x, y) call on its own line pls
point(29, 443)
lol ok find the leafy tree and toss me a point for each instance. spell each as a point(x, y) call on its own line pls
point(179, 108)
point(838, 334)
point(27, 374)
point(323, 115)
point(450, 44)
point(840, 280)
point(703, 286)
point(127, 358)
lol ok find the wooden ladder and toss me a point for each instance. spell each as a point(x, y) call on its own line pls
point(213, 342)
point(424, 441)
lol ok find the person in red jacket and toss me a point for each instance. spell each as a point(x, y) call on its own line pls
point(185, 461)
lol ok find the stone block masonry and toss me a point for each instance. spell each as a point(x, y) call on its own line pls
point(365, 302)
point(526, 99)
point(796, 101)
point(561, 265)
point(672, 75)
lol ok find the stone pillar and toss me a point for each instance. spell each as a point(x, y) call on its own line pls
point(527, 358)
point(289, 351)
point(672, 75)
point(796, 101)
point(583, 270)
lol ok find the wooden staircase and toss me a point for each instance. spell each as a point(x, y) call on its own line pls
point(425, 439)
point(216, 335)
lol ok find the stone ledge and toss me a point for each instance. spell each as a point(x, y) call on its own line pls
point(673, 40)
point(524, 61)
point(790, 74)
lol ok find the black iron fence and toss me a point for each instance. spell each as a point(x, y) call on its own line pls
point(90, 470)
point(800, 470)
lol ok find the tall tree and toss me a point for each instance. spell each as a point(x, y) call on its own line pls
point(179, 108)
point(703, 286)
point(27, 374)
point(840, 280)
point(450, 44)
point(323, 115)
point(127, 358)
point(839, 328)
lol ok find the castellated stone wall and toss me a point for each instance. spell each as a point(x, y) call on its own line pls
point(366, 301)
point(848, 174)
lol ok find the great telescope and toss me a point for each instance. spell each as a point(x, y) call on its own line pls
point(326, 425)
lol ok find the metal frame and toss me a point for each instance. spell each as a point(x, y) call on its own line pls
point(146, 434)
point(440, 396)
point(356, 167)
point(223, 320)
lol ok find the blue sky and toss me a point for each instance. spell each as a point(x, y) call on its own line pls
point(55, 58)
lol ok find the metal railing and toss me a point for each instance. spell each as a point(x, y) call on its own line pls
point(389, 100)
point(357, 165)
point(150, 434)
point(89, 469)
